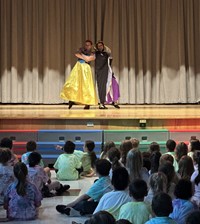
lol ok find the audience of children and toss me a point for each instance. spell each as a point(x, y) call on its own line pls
point(112, 201)
point(87, 203)
point(22, 198)
point(67, 163)
point(132, 211)
point(21, 185)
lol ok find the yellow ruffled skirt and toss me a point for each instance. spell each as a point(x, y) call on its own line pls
point(79, 86)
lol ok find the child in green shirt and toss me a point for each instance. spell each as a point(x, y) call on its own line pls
point(67, 163)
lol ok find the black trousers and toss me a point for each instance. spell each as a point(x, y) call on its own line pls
point(86, 207)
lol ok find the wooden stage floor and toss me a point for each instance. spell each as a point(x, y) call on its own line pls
point(59, 117)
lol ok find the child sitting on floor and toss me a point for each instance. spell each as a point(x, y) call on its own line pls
point(182, 206)
point(67, 163)
point(132, 210)
point(22, 197)
point(113, 200)
point(8, 143)
point(39, 177)
point(31, 146)
point(162, 207)
point(6, 172)
point(89, 158)
point(87, 203)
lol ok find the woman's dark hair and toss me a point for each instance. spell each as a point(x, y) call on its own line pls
point(162, 205)
point(21, 172)
point(6, 143)
point(114, 157)
point(168, 169)
point(106, 148)
point(125, 147)
point(138, 189)
point(69, 147)
point(103, 167)
point(193, 218)
point(5, 155)
point(181, 150)
point(120, 179)
point(154, 147)
point(34, 159)
point(90, 146)
point(31, 146)
point(186, 167)
point(101, 217)
point(155, 161)
point(197, 179)
point(183, 189)
point(171, 145)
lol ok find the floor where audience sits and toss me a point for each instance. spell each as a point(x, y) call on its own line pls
point(48, 213)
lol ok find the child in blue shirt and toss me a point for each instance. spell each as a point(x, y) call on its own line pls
point(112, 201)
point(87, 203)
point(162, 207)
point(182, 206)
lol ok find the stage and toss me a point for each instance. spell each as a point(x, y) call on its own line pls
point(26, 116)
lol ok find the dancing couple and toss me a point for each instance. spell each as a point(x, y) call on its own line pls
point(79, 87)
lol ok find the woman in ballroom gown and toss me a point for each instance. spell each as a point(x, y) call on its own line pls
point(79, 87)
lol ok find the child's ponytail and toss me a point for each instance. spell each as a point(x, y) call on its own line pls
point(20, 171)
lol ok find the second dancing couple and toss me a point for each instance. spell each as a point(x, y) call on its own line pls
point(79, 87)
